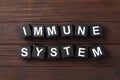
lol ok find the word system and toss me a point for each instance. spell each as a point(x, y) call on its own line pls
point(64, 51)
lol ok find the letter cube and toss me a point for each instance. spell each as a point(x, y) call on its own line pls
point(66, 30)
point(53, 52)
point(38, 51)
point(25, 30)
point(51, 31)
point(25, 52)
point(96, 51)
point(81, 30)
point(96, 30)
point(67, 51)
point(38, 30)
point(82, 52)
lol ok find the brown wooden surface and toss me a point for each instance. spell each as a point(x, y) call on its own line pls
point(14, 12)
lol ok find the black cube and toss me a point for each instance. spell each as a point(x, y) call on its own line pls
point(66, 30)
point(67, 51)
point(96, 30)
point(81, 52)
point(38, 30)
point(25, 52)
point(53, 52)
point(38, 51)
point(81, 30)
point(51, 31)
point(96, 51)
point(25, 30)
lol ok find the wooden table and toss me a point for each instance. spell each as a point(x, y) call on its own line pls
point(14, 12)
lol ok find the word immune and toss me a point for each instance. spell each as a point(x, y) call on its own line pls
point(67, 30)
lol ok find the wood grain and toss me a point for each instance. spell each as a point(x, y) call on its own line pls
point(59, 10)
point(15, 12)
point(59, 73)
